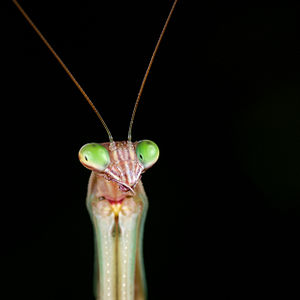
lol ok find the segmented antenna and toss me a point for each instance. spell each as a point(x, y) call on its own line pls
point(148, 69)
point(65, 68)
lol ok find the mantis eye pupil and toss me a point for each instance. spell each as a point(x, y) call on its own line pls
point(85, 157)
point(141, 156)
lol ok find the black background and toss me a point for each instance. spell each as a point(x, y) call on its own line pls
point(222, 102)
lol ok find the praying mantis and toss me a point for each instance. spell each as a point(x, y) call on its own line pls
point(116, 199)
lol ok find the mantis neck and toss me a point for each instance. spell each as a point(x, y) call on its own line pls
point(118, 229)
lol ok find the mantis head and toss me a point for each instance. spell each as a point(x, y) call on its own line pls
point(121, 162)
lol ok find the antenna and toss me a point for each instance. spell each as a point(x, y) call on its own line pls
point(148, 69)
point(65, 68)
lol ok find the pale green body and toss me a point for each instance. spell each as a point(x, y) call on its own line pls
point(119, 270)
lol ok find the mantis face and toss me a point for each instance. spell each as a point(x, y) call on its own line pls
point(120, 162)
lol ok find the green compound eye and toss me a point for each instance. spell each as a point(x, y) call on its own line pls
point(147, 153)
point(94, 156)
